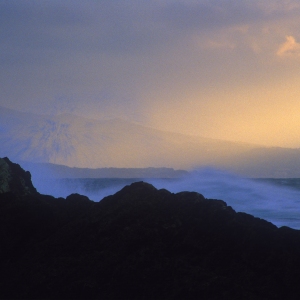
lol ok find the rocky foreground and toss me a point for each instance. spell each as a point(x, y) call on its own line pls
point(141, 243)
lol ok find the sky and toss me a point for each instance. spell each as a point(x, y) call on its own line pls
point(223, 69)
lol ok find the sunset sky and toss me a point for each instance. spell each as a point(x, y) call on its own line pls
point(227, 69)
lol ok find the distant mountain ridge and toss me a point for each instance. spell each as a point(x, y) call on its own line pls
point(85, 143)
point(47, 170)
point(79, 142)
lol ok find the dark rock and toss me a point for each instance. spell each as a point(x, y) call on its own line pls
point(14, 179)
point(142, 243)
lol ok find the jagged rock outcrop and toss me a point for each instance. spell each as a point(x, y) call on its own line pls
point(14, 179)
point(142, 243)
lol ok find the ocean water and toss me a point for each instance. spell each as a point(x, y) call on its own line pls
point(275, 200)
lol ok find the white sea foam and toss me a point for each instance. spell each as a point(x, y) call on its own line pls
point(277, 204)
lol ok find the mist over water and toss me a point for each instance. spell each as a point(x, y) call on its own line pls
point(264, 199)
point(94, 188)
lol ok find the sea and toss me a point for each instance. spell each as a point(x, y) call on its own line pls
point(276, 200)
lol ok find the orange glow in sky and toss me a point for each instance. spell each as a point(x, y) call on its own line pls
point(228, 71)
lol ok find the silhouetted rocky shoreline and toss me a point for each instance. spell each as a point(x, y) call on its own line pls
point(140, 243)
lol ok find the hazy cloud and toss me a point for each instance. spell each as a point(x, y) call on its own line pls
point(289, 48)
point(145, 60)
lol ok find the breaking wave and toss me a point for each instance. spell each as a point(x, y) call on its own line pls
point(264, 199)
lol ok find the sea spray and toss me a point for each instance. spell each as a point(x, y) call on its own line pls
point(94, 188)
point(264, 199)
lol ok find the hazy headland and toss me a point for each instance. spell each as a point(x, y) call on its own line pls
point(152, 110)
point(67, 154)
point(65, 145)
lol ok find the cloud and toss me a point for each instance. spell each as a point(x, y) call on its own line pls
point(121, 58)
point(289, 48)
point(278, 6)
